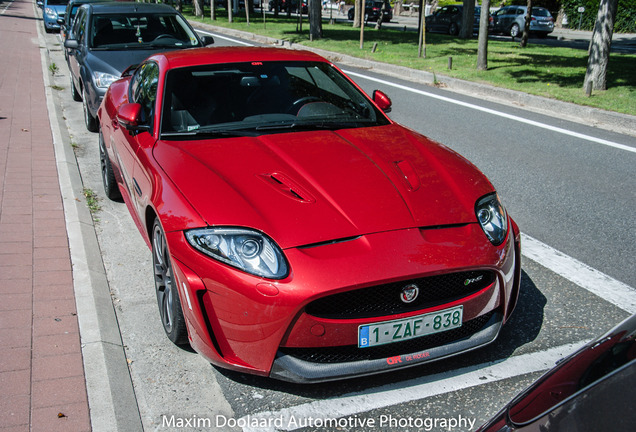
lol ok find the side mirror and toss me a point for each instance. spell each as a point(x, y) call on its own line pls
point(40, 4)
point(71, 43)
point(128, 116)
point(207, 40)
point(60, 21)
point(382, 101)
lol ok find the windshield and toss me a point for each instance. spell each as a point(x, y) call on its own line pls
point(141, 31)
point(262, 97)
point(56, 2)
point(540, 12)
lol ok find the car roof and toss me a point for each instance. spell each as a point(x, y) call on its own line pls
point(220, 55)
point(130, 7)
point(81, 2)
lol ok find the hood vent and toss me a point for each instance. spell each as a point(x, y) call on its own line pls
point(408, 174)
point(287, 187)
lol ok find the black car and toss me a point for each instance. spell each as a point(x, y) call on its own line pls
point(67, 21)
point(592, 390)
point(373, 10)
point(107, 38)
point(283, 5)
point(448, 19)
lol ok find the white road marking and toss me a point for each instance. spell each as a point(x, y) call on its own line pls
point(420, 388)
point(468, 105)
point(600, 284)
point(216, 35)
point(497, 113)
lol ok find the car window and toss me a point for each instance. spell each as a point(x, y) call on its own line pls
point(71, 14)
point(79, 26)
point(520, 12)
point(117, 31)
point(144, 89)
point(540, 12)
point(263, 97)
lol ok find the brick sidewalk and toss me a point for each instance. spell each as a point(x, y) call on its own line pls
point(41, 370)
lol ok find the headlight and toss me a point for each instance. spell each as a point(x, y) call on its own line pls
point(492, 218)
point(50, 12)
point(244, 249)
point(103, 79)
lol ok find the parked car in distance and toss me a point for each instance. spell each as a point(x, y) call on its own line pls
point(591, 390)
point(448, 19)
point(510, 20)
point(283, 5)
point(296, 231)
point(373, 10)
point(52, 10)
point(108, 37)
point(69, 14)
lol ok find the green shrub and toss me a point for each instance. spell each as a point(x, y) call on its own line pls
point(625, 16)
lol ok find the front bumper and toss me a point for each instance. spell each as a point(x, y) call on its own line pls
point(293, 369)
point(252, 325)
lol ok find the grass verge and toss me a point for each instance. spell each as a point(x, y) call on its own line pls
point(551, 72)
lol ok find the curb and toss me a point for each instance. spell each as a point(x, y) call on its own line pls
point(111, 396)
point(588, 116)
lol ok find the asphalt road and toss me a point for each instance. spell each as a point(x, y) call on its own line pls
point(568, 193)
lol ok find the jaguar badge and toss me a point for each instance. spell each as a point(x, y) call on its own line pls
point(409, 293)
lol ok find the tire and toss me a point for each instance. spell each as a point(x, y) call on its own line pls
point(167, 292)
point(77, 97)
point(453, 29)
point(108, 176)
point(89, 120)
point(515, 30)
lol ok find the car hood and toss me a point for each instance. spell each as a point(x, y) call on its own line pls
point(115, 62)
point(312, 187)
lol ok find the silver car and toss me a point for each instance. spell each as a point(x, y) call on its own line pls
point(510, 20)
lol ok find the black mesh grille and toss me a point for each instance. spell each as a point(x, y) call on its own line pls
point(351, 353)
point(383, 300)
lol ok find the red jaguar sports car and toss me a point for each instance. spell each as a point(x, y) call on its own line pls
point(296, 231)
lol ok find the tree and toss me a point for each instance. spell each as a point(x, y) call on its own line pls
point(482, 45)
point(229, 11)
point(468, 16)
point(526, 26)
point(315, 19)
point(198, 8)
point(356, 15)
point(600, 45)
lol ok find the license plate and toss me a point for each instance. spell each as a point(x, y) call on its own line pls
point(410, 328)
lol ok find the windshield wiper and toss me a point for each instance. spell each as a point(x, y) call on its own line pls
point(220, 133)
point(311, 126)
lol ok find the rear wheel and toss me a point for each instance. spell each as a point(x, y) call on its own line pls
point(453, 29)
point(76, 95)
point(167, 292)
point(108, 176)
point(515, 30)
point(89, 120)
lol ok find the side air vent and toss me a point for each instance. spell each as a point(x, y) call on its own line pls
point(288, 187)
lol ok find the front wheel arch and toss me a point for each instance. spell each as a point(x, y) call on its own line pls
point(166, 288)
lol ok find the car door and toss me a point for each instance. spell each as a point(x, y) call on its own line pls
point(78, 33)
point(133, 149)
point(503, 19)
point(441, 19)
